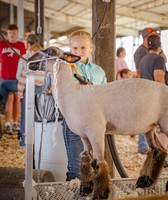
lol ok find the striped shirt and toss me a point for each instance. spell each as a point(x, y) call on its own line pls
point(39, 80)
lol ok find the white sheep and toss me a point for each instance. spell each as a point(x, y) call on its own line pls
point(124, 107)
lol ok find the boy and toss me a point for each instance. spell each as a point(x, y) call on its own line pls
point(39, 80)
point(9, 62)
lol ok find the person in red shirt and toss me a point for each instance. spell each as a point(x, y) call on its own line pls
point(8, 82)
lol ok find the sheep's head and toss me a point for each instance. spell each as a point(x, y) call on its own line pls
point(49, 53)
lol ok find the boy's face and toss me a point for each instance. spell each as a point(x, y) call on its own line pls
point(12, 35)
point(81, 46)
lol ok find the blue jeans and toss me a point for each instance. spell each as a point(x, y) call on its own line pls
point(142, 144)
point(6, 86)
point(22, 121)
point(74, 147)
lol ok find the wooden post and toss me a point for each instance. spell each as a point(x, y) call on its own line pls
point(103, 12)
point(11, 21)
point(39, 20)
point(20, 19)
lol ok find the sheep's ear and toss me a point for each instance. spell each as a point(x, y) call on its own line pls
point(69, 57)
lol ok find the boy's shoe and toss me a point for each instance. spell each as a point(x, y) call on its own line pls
point(8, 129)
point(15, 127)
point(22, 142)
point(22, 147)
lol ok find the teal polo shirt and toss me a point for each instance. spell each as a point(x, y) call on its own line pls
point(92, 72)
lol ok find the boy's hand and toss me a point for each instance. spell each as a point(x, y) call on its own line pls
point(19, 99)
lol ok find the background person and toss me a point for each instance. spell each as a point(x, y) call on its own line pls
point(125, 73)
point(142, 49)
point(80, 44)
point(22, 77)
point(138, 55)
point(152, 67)
point(30, 40)
point(9, 63)
point(120, 62)
point(32, 46)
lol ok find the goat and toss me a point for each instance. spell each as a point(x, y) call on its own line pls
point(124, 107)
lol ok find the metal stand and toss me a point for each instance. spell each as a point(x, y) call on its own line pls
point(29, 129)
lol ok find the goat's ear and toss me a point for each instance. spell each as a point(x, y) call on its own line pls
point(70, 58)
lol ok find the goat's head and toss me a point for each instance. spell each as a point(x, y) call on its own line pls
point(47, 54)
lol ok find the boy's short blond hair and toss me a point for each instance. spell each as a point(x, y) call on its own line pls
point(80, 33)
point(35, 47)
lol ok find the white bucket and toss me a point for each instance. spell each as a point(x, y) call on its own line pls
point(53, 159)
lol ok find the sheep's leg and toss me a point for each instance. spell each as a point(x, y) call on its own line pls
point(153, 163)
point(86, 185)
point(166, 190)
point(152, 168)
point(101, 180)
point(101, 175)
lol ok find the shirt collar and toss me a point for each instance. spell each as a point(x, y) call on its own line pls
point(80, 64)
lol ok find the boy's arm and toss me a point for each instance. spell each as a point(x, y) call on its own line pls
point(21, 84)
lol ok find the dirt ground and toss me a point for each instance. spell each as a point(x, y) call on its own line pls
point(12, 156)
point(10, 153)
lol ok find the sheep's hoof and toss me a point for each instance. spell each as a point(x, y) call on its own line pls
point(94, 164)
point(103, 196)
point(166, 187)
point(144, 182)
point(85, 190)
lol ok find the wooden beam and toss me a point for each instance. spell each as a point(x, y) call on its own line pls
point(53, 14)
point(56, 34)
point(139, 14)
point(20, 19)
point(142, 15)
